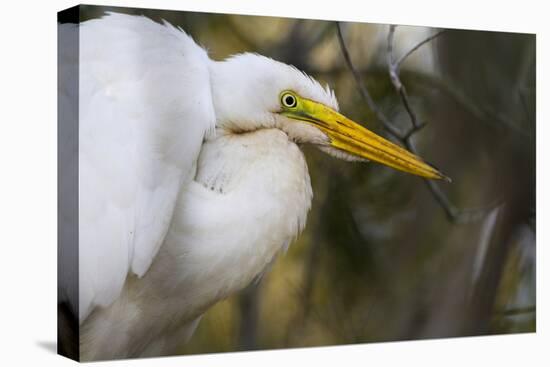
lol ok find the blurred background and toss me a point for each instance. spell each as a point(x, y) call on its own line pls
point(384, 257)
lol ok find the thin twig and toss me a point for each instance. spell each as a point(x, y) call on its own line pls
point(482, 113)
point(453, 214)
point(418, 45)
point(413, 130)
point(364, 91)
point(393, 69)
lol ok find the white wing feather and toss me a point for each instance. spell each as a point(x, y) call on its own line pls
point(145, 108)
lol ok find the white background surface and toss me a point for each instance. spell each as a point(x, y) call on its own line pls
point(28, 182)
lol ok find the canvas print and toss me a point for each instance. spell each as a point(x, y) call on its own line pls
point(236, 183)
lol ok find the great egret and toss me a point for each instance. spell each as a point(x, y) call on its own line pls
point(191, 177)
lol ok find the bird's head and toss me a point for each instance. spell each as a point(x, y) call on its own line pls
point(252, 92)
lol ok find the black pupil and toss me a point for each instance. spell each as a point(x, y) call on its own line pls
point(289, 101)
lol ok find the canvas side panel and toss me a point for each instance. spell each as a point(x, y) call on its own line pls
point(67, 163)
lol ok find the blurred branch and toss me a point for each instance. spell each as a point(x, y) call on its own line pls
point(418, 45)
point(364, 91)
point(393, 69)
point(453, 213)
point(518, 311)
point(249, 314)
point(486, 233)
point(482, 113)
point(481, 307)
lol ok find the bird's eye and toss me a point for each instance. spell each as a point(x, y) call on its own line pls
point(289, 100)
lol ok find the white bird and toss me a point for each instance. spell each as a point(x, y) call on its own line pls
point(191, 177)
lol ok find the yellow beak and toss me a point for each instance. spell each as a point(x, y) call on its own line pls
point(352, 138)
